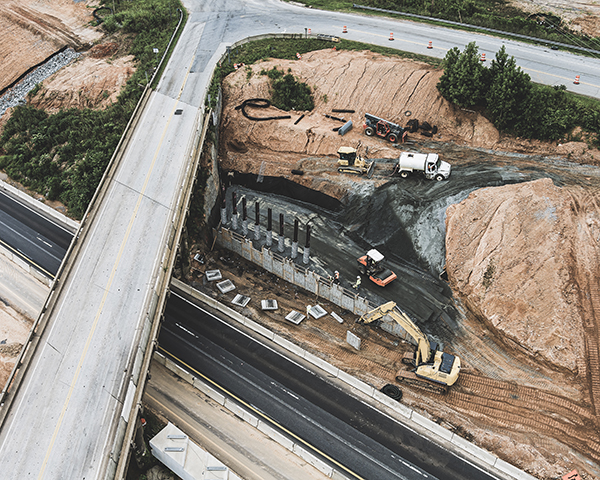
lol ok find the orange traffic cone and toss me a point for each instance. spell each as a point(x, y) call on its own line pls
point(391, 36)
point(483, 57)
point(430, 44)
point(576, 82)
point(298, 56)
point(309, 31)
point(345, 30)
point(334, 49)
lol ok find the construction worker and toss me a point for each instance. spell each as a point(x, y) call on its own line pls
point(357, 283)
point(336, 277)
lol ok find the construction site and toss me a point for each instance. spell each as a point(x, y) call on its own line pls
point(473, 255)
point(496, 260)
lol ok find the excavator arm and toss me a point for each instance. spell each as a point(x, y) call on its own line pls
point(423, 353)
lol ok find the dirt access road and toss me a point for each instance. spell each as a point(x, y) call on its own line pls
point(528, 393)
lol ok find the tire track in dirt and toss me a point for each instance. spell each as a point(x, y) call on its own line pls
point(585, 204)
point(526, 409)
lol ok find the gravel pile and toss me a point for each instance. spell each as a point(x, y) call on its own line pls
point(16, 95)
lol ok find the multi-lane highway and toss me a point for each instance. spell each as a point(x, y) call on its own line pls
point(35, 239)
point(355, 438)
point(66, 416)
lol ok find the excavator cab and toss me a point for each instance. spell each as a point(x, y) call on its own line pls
point(371, 265)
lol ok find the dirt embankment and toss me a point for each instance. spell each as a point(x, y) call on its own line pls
point(33, 31)
point(93, 81)
point(510, 254)
point(367, 83)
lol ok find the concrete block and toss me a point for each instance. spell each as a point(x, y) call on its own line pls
point(241, 300)
point(432, 426)
point(260, 329)
point(238, 410)
point(313, 460)
point(209, 391)
point(159, 358)
point(480, 453)
point(289, 346)
point(226, 286)
point(317, 311)
point(355, 382)
point(295, 317)
point(335, 475)
point(180, 372)
point(276, 436)
point(512, 470)
point(337, 317)
point(322, 364)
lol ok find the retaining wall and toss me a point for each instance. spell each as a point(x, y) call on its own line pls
point(290, 271)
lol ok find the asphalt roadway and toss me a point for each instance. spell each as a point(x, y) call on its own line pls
point(74, 390)
point(35, 239)
point(357, 438)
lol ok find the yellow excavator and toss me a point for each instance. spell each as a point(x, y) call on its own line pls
point(351, 162)
point(433, 369)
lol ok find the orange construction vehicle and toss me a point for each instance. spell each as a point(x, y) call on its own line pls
point(371, 264)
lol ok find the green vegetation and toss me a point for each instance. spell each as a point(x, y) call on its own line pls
point(289, 93)
point(495, 14)
point(513, 103)
point(63, 156)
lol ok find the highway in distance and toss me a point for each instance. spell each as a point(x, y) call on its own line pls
point(35, 239)
point(357, 439)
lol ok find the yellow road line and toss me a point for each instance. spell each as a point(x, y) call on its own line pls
point(27, 259)
point(109, 283)
point(259, 413)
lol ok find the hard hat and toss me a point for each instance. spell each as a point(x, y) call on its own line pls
point(358, 277)
point(337, 271)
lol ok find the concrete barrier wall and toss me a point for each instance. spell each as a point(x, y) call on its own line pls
point(291, 272)
point(435, 431)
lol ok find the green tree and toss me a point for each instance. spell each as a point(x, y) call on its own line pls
point(465, 80)
point(509, 91)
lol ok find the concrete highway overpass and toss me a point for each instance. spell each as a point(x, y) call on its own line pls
point(76, 392)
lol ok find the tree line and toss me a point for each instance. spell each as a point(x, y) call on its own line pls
point(512, 101)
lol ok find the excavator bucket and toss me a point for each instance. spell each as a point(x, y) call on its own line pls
point(370, 170)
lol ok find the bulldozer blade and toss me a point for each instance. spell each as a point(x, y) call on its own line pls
point(370, 170)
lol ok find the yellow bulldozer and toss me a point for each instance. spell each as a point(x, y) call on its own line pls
point(351, 162)
point(433, 369)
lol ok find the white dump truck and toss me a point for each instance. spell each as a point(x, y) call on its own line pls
point(429, 164)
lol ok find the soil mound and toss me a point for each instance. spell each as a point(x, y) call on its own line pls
point(40, 29)
point(512, 257)
point(90, 82)
point(361, 81)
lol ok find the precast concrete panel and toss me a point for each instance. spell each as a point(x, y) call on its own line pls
point(288, 271)
point(256, 255)
point(397, 330)
point(325, 291)
point(361, 306)
point(267, 260)
point(347, 302)
point(299, 277)
point(312, 282)
point(247, 249)
point(337, 293)
point(277, 267)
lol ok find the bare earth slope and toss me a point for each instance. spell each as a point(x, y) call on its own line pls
point(509, 256)
point(40, 28)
